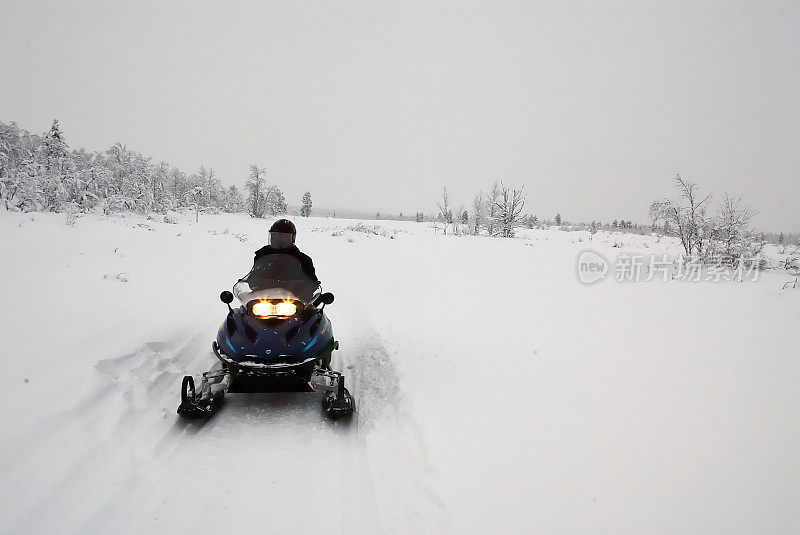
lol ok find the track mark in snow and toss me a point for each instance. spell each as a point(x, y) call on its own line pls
point(86, 455)
point(401, 473)
point(126, 463)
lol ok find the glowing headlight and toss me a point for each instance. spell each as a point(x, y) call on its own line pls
point(265, 309)
point(285, 308)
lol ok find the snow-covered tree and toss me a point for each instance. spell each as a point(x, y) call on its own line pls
point(558, 219)
point(508, 213)
point(256, 196)
point(491, 207)
point(234, 201)
point(305, 210)
point(160, 189)
point(593, 228)
point(126, 181)
point(54, 147)
point(274, 201)
point(445, 214)
point(732, 228)
point(686, 216)
point(478, 212)
point(39, 172)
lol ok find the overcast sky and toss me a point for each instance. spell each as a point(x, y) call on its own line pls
point(377, 105)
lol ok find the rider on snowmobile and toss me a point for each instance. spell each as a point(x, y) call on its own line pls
point(282, 235)
point(280, 340)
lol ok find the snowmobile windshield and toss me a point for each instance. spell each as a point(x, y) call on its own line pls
point(276, 276)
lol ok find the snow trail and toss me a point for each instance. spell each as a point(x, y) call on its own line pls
point(390, 433)
point(566, 408)
point(139, 467)
point(131, 465)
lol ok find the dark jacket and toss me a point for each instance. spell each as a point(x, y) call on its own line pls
point(305, 260)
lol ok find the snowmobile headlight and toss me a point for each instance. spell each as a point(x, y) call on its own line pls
point(268, 309)
point(285, 308)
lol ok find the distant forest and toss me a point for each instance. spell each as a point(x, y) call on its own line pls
point(40, 173)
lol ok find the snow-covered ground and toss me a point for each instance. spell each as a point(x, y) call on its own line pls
point(496, 392)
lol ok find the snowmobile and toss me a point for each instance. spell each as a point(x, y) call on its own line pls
point(278, 340)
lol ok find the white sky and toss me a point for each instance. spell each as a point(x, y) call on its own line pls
point(376, 106)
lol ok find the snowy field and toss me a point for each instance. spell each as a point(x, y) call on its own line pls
point(496, 393)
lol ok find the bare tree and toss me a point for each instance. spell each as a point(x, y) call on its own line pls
point(508, 213)
point(443, 206)
point(686, 217)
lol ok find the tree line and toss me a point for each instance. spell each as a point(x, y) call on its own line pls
point(712, 235)
point(499, 211)
point(41, 173)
